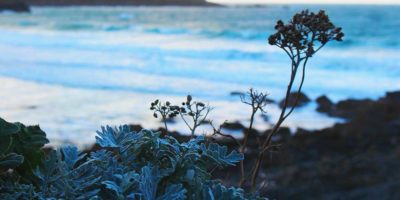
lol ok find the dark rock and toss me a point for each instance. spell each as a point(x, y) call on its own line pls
point(233, 126)
point(270, 101)
point(180, 137)
point(325, 105)
point(344, 109)
point(383, 110)
point(301, 131)
point(253, 133)
point(351, 107)
point(135, 127)
point(341, 162)
point(303, 100)
point(281, 136)
point(358, 159)
point(14, 5)
point(283, 131)
point(265, 117)
point(237, 93)
point(395, 96)
point(353, 160)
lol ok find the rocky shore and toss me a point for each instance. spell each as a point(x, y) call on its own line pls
point(14, 5)
point(358, 159)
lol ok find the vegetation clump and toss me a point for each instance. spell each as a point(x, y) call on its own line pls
point(129, 165)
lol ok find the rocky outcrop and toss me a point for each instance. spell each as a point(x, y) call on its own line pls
point(233, 126)
point(120, 2)
point(353, 160)
point(358, 159)
point(14, 5)
point(303, 100)
point(325, 105)
point(385, 109)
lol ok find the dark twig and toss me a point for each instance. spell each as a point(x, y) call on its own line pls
point(196, 111)
point(257, 101)
point(218, 132)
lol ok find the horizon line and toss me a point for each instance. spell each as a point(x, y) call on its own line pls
point(273, 2)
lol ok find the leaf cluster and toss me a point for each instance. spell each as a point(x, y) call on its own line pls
point(21, 148)
point(128, 165)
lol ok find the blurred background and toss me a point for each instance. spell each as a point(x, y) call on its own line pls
point(72, 66)
point(72, 69)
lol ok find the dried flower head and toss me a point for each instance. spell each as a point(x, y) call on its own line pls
point(305, 31)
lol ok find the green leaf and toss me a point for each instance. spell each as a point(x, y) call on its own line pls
point(149, 179)
point(32, 137)
point(219, 155)
point(175, 191)
point(11, 161)
point(7, 129)
point(216, 191)
point(132, 165)
point(124, 186)
point(5, 144)
point(28, 142)
point(111, 185)
point(71, 156)
point(114, 137)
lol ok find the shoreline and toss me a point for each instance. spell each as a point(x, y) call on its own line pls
point(54, 107)
point(122, 3)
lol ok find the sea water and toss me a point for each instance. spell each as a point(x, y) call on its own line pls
point(73, 69)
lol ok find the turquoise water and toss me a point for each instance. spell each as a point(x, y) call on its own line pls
point(207, 52)
point(217, 46)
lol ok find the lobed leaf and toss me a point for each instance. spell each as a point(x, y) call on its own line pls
point(219, 155)
point(7, 128)
point(10, 161)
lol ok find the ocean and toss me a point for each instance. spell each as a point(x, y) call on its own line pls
point(73, 69)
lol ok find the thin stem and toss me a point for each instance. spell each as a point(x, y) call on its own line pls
point(275, 128)
point(218, 132)
point(243, 147)
point(187, 124)
point(165, 124)
point(298, 90)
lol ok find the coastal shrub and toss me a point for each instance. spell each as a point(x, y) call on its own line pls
point(128, 165)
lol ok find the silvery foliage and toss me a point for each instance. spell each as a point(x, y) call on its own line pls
point(130, 166)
